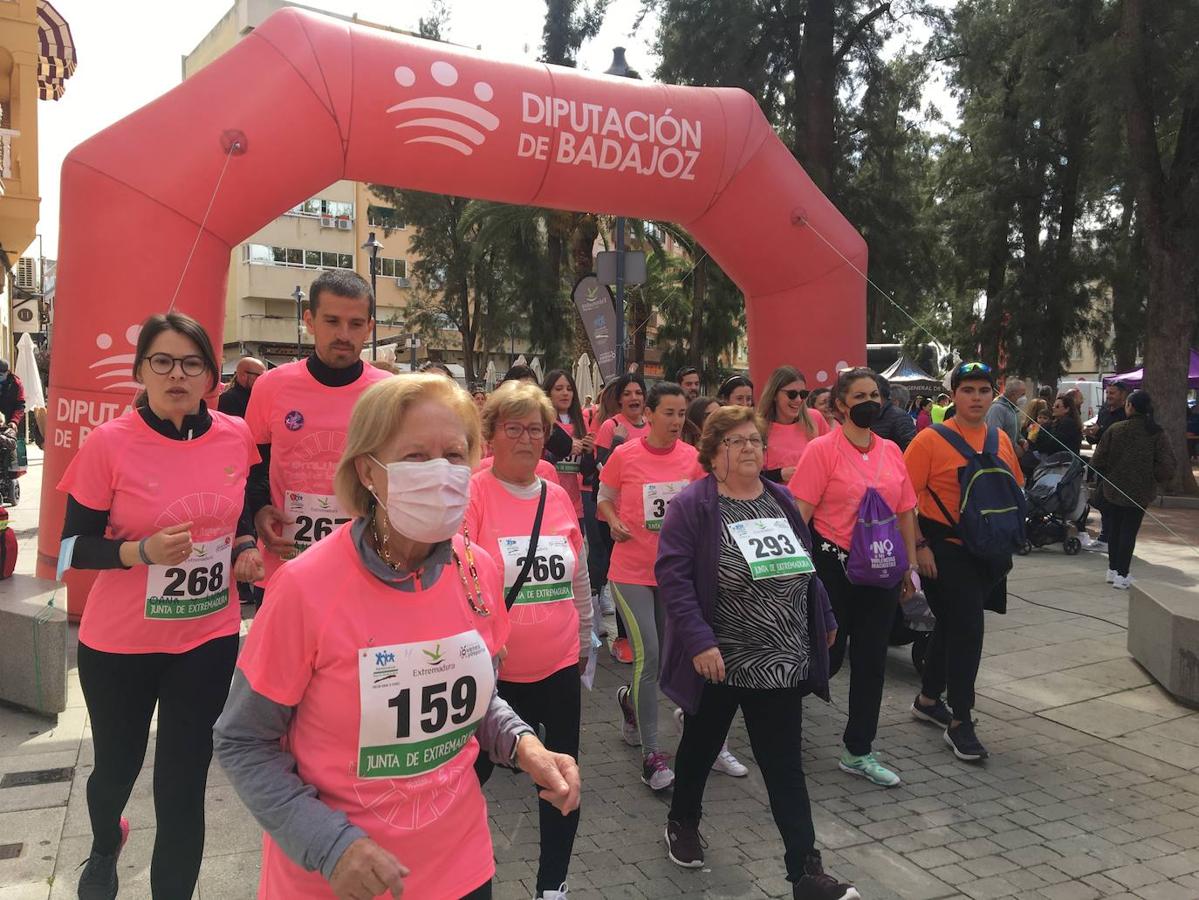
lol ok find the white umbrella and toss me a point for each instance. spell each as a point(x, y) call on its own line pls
point(521, 361)
point(582, 376)
point(535, 365)
point(490, 375)
point(597, 381)
point(26, 369)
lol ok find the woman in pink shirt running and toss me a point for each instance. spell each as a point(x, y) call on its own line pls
point(366, 688)
point(792, 424)
point(637, 484)
point(529, 527)
point(156, 503)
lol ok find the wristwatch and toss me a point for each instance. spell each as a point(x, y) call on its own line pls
point(515, 745)
point(921, 544)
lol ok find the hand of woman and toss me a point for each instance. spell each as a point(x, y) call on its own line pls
point(576, 447)
point(619, 531)
point(831, 637)
point(249, 566)
point(621, 432)
point(588, 443)
point(365, 871)
point(710, 664)
point(908, 588)
point(926, 563)
point(269, 523)
point(170, 546)
point(556, 774)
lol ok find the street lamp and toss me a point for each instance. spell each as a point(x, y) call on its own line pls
point(620, 68)
point(373, 246)
point(298, 294)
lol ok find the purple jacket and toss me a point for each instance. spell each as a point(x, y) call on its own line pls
point(688, 553)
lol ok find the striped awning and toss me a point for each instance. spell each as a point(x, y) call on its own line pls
point(56, 59)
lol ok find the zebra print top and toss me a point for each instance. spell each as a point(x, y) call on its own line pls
point(761, 626)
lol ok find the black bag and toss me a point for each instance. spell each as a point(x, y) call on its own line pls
point(530, 554)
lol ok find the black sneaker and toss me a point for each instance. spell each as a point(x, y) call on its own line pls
point(937, 714)
point(816, 884)
point(684, 845)
point(99, 878)
point(965, 744)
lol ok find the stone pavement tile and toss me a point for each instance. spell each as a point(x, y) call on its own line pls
point(26, 734)
point(31, 891)
point(1102, 718)
point(988, 888)
point(1104, 885)
point(231, 829)
point(1165, 890)
point(899, 875)
point(1115, 674)
point(1184, 729)
point(230, 877)
point(1070, 891)
point(1177, 864)
point(37, 831)
point(39, 796)
point(1134, 876)
point(1176, 753)
point(1151, 699)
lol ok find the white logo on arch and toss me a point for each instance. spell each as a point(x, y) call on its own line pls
point(118, 365)
point(461, 136)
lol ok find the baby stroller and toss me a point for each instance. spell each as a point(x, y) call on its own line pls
point(1057, 503)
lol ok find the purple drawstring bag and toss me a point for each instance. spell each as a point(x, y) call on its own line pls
point(877, 555)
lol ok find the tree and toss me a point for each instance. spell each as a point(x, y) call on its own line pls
point(1158, 46)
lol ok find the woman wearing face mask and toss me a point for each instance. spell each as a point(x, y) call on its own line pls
point(546, 589)
point(747, 628)
point(792, 425)
point(155, 503)
point(367, 686)
point(853, 487)
point(737, 390)
point(637, 484)
point(627, 423)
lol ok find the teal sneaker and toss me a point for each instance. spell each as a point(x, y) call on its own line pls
point(869, 768)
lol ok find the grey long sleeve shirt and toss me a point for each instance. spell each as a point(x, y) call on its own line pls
point(247, 741)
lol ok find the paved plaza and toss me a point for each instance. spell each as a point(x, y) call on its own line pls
point(1092, 789)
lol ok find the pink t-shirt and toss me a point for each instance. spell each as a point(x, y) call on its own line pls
point(543, 469)
point(648, 478)
point(568, 474)
point(607, 429)
point(305, 423)
point(833, 476)
point(147, 482)
point(342, 647)
point(786, 443)
point(545, 623)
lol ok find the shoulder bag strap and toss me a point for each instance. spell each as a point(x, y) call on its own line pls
point(514, 591)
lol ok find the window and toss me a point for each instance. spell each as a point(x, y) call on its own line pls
point(261, 254)
point(383, 217)
point(393, 268)
point(316, 208)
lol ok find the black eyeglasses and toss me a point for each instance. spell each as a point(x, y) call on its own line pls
point(164, 364)
point(793, 394)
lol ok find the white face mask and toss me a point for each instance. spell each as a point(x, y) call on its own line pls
point(426, 501)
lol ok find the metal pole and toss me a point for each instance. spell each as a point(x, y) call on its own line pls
point(374, 304)
point(412, 344)
point(298, 294)
point(620, 337)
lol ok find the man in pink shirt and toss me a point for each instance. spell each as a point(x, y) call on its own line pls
point(298, 415)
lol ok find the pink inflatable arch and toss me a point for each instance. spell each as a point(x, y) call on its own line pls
point(312, 100)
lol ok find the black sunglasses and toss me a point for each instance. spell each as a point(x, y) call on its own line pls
point(793, 394)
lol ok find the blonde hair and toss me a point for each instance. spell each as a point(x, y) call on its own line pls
point(721, 423)
point(766, 406)
point(515, 400)
point(379, 414)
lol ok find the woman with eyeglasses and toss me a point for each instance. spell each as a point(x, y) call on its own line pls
point(747, 627)
point(853, 488)
point(792, 425)
point(528, 525)
point(155, 505)
point(366, 689)
point(637, 484)
point(737, 390)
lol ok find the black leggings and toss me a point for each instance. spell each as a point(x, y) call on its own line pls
point(773, 719)
point(1123, 523)
point(554, 703)
point(121, 690)
point(483, 892)
point(864, 618)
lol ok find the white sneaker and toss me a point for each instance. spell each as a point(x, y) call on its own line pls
point(1097, 547)
point(728, 764)
point(678, 718)
point(559, 894)
point(1123, 582)
point(1111, 575)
